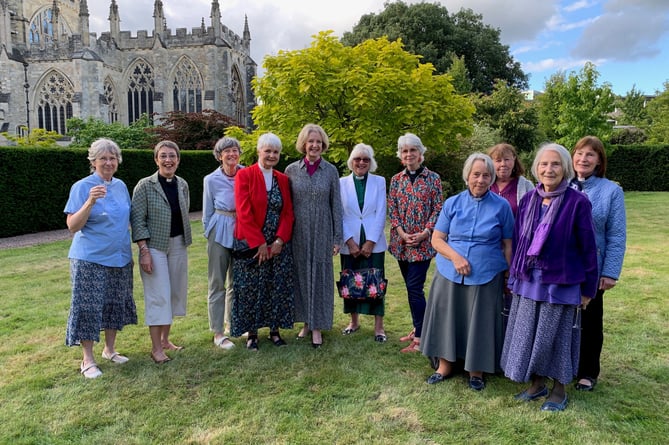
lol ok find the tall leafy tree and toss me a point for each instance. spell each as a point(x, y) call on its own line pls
point(575, 105)
point(507, 111)
point(427, 29)
point(633, 108)
point(658, 112)
point(371, 93)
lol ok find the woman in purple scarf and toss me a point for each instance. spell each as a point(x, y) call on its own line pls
point(553, 276)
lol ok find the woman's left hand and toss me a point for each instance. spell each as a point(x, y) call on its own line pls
point(606, 283)
point(335, 249)
point(584, 301)
point(264, 253)
point(367, 248)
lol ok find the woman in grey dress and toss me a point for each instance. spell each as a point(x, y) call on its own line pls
point(317, 234)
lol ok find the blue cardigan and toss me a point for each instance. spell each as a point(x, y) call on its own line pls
point(608, 214)
point(569, 255)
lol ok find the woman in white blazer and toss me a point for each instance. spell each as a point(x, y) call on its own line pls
point(363, 197)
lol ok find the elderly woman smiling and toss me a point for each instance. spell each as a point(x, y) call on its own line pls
point(553, 273)
point(473, 239)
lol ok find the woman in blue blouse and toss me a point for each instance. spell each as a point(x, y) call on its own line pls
point(98, 213)
point(218, 219)
point(463, 316)
point(608, 214)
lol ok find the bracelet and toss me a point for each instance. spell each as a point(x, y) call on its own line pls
point(278, 242)
point(144, 247)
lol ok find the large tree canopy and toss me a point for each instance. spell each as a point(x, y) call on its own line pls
point(372, 93)
point(658, 113)
point(576, 105)
point(428, 30)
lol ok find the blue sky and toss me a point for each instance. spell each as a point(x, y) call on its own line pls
point(628, 40)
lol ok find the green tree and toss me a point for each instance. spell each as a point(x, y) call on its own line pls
point(633, 108)
point(136, 135)
point(460, 75)
point(658, 113)
point(371, 93)
point(429, 30)
point(507, 111)
point(576, 105)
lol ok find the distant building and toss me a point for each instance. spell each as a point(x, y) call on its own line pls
point(531, 95)
point(52, 68)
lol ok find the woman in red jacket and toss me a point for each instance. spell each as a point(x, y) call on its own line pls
point(263, 265)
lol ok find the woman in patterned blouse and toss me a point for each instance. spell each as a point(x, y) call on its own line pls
point(414, 203)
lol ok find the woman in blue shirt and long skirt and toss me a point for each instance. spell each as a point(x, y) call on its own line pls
point(463, 318)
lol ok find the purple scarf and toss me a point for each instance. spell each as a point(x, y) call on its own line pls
point(529, 247)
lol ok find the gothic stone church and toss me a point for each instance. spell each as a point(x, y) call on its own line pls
point(53, 68)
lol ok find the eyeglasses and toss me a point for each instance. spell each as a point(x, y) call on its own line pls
point(162, 157)
point(366, 160)
point(104, 160)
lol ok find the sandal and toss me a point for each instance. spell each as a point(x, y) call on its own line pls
point(381, 338)
point(409, 337)
point(224, 343)
point(91, 371)
point(414, 346)
point(252, 342)
point(276, 339)
point(115, 357)
point(349, 330)
point(585, 386)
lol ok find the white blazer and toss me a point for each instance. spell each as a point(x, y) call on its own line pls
point(372, 216)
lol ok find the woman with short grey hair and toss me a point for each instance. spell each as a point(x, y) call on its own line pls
point(98, 213)
point(218, 220)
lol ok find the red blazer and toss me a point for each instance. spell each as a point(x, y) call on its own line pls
point(251, 205)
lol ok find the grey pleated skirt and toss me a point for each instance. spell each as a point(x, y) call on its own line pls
point(465, 322)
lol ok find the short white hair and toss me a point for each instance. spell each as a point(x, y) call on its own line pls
point(565, 159)
point(410, 140)
point(469, 164)
point(362, 149)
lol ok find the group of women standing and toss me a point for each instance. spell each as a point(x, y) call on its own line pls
point(564, 249)
point(543, 256)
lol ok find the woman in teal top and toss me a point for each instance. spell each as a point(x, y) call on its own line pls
point(98, 213)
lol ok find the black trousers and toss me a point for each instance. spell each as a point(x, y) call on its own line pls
point(592, 337)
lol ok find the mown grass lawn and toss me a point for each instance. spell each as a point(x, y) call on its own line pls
point(351, 391)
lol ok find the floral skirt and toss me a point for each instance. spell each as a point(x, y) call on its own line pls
point(101, 299)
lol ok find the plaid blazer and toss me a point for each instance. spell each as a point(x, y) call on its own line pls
point(151, 215)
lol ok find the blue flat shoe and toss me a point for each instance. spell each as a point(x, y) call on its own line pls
point(476, 383)
point(527, 397)
point(554, 406)
point(436, 378)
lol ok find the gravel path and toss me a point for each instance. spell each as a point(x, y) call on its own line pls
point(33, 239)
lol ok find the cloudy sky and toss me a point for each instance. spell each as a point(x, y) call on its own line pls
point(628, 40)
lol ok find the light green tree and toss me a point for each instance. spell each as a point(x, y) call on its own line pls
point(633, 108)
point(135, 135)
point(38, 137)
point(372, 93)
point(575, 105)
point(658, 112)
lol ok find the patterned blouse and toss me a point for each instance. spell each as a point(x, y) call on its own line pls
point(414, 207)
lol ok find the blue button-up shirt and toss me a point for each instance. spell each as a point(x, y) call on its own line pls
point(475, 228)
point(219, 194)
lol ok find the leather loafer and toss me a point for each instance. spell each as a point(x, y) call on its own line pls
point(555, 406)
point(527, 397)
point(476, 383)
point(437, 378)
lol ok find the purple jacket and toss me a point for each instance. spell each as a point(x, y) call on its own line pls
point(569, 255)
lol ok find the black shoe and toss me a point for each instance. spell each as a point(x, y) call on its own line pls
point(252, 343)
point(316, 345)
point(586, 387)
point(276, 339)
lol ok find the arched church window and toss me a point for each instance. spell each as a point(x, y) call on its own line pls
point(187, 87)
point(112, 105)
point(238, 97)
point(140, 91)
point(41, 28)
point(54, 104)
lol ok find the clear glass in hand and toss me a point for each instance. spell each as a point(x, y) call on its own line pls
point(104, 201)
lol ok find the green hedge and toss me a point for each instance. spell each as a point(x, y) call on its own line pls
point(36, 182)
point(639, 167)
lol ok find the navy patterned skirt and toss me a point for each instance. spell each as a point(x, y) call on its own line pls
point(101, 299)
